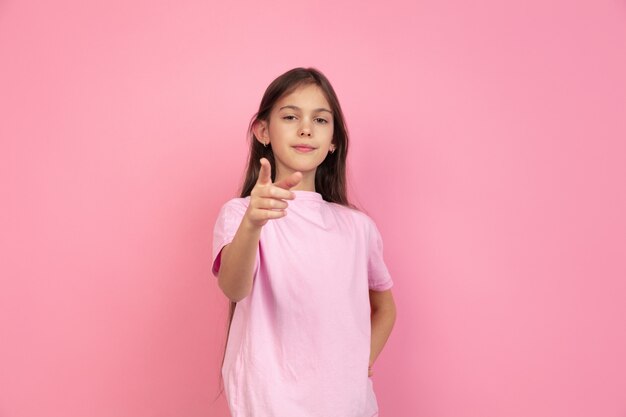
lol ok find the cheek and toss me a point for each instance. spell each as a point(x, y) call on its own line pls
point(281, 129)
point(331, 132)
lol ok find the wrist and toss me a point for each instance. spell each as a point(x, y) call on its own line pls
point(249, 226)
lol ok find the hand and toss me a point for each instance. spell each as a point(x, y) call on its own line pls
point(267, 199)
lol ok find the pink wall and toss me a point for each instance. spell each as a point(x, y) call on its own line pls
point(502, 126)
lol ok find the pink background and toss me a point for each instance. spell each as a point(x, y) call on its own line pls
point(488, 143)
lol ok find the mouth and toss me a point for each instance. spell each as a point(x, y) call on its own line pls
point(303, 148)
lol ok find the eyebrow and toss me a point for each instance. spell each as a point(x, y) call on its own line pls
point(298, 108)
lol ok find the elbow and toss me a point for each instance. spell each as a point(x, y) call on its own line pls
point(233, 294)
point(387, 310)
point(235, 298)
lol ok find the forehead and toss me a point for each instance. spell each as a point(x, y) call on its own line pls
point(306, 97)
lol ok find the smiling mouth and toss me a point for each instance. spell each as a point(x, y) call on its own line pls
point(303, 148)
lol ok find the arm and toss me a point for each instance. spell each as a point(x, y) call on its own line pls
point(236, 272)
point(383, 318)
point(238, 260)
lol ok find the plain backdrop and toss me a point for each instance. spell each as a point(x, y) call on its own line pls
point(487, 142)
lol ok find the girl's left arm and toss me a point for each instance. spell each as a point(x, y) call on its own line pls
point(383, 317)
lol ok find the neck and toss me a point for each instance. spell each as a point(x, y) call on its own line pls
point(304, 187)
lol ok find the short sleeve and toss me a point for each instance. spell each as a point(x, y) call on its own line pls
point(226, 225)
point(379, 278)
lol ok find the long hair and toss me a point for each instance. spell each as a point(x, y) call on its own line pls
point(330, 176)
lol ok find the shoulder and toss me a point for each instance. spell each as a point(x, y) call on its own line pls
point(234, 208)
point(236, 203)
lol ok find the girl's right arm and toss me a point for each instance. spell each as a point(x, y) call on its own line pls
point(235, 275)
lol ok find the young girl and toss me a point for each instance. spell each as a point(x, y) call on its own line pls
point(311, 304)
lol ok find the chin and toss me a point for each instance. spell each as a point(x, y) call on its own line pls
point(305, 167)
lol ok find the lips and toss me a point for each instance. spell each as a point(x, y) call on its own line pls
point(303, 148)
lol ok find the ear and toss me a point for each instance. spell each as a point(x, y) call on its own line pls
point(332, 147)
point(261, 131)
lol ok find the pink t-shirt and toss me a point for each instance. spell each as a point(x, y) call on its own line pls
point(299, 344)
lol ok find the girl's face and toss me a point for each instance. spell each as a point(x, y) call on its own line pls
point(301, 118)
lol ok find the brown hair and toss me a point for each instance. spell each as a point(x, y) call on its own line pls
point(330, 176)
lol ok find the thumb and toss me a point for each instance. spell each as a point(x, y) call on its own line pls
point(291, 181)
point(265, 174)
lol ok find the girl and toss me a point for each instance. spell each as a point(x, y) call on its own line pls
point(310, 298)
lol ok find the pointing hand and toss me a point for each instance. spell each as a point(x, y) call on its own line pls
point(267, 199)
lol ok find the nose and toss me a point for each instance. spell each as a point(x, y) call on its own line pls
point(305, 130)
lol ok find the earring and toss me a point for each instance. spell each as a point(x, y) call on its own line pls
point(265, 144)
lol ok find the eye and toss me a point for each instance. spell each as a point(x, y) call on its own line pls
point(322, 121)
point(288, 117)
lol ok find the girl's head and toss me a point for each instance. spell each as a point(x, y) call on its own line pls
point(300, 107)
